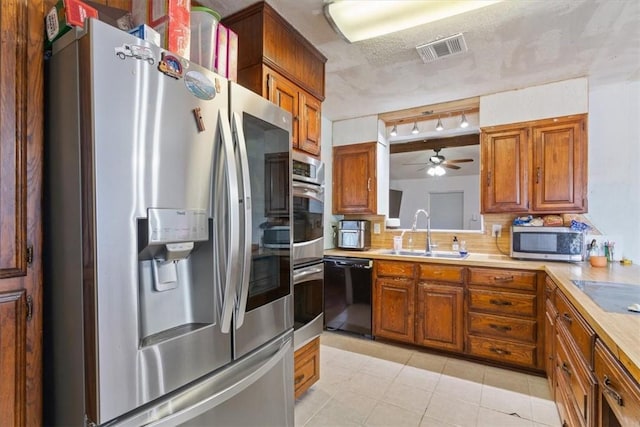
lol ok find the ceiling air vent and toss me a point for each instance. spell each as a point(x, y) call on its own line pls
point(441, 48)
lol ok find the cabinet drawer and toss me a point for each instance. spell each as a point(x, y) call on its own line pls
point(502, 302)
point(521, 354)
point(566, 406)
point(577, 327)
point(511, 279)
point(502, 327)
point(442, 273)
point(394, 269)
point(572, 371)
point(307, 367)
point(617, 387)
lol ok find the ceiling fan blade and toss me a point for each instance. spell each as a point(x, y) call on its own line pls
point(450, 166)
point(421, 169)
point(460, 160)
point(415, 164)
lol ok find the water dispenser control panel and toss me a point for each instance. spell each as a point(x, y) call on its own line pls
point(177, 225)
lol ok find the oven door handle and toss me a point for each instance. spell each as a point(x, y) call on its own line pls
point(315, 192)
point(308, 273)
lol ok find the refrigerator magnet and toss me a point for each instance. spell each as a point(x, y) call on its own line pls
point(170, 65)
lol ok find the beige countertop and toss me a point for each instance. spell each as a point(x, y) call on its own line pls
point(621, 332)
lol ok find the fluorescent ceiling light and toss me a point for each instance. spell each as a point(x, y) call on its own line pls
point(358, 20)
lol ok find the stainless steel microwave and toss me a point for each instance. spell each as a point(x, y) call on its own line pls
point(548, 243)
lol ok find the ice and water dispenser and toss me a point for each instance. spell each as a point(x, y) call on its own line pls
point(175, 273)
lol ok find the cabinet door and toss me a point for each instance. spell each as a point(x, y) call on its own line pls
point(306, 362)
point(354, 179)
point(393, 304)
point(284, 94)
point(439, 316)
point(13, 358)
point(309, 124)
point(503, 171)
point(21, 145)
point(559, 167)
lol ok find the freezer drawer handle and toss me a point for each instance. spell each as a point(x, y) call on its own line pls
point(222, 394)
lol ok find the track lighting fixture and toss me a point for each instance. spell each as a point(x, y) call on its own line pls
point(415, 129)
point(464, 123)
point(439, 126)
point(394, 130)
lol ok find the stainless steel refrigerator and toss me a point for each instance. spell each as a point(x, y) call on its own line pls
point(162, 305)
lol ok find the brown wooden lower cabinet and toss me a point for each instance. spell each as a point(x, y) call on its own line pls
point(394, 300)
point(439, 316)
point(576, 379)
point(619, 394)
point(306, 362)
point(424, 304)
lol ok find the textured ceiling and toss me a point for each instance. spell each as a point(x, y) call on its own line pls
point(512, 44)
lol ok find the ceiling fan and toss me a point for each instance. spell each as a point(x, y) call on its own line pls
point(439, 160)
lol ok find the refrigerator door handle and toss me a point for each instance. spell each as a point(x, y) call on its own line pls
point(245, 252)
point(234, 226)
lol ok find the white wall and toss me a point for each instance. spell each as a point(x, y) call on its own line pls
point(614, 165)
point(326, 151)
point(415, 195)
point(533, 103)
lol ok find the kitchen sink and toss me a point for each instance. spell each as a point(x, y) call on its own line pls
point(422, 253)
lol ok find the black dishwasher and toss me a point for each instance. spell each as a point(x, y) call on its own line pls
point(347, 294)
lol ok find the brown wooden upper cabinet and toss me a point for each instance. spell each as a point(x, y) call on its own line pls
point(304, 108)
point(354, 179)
point(278, 63)
point(536, 167)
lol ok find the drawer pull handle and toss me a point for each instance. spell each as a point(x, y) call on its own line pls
point(567, 318)
point(503, 278)
point(500, 351)
point(299, 379)
point(611, 392)
point(500, 302)
point(565, 368)
point(500, 327)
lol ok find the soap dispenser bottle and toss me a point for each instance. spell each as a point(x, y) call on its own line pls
point(455, 246)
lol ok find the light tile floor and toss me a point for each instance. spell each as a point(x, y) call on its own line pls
point(369, 383)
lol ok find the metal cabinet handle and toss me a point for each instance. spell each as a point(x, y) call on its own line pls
point(538, 175)
point(500, 327)
point(503, 278)
point(489, 179)
point(500, 351)
point(567, 318)
point(369, 184)
point(500, 302)
point(606, 383)
point(298, 379)
point(565, 368)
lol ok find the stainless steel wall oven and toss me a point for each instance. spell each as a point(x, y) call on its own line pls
point(308, 247)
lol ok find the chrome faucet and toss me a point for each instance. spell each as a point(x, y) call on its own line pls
point(415, 222)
